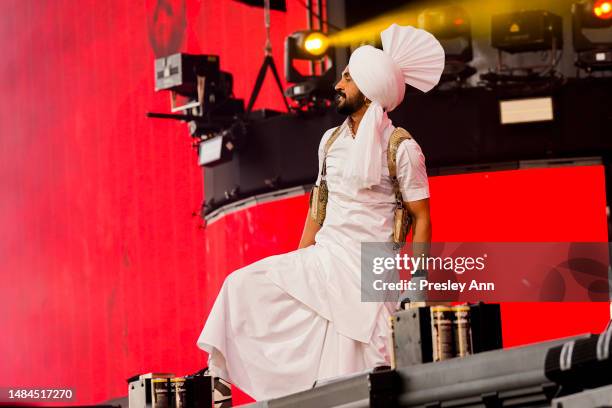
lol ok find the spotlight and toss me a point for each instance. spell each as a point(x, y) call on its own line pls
point(305, 45)
point(525, 31)
point(451, 26)
point(317, 88)
point(195, 82)
point(316, 44)
point(592, 34)
point(207, 103)
point(529, 30)
point(603, 9)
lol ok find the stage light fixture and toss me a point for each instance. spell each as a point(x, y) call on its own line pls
point(520, 32)
point(207, 103)
point(603, 9)
point(526, 30)
point(307, 45)
point(316, 87)
point(196, 84)
point(526, 110)
point(451, 26)
point(592, 34)
point(316, 44)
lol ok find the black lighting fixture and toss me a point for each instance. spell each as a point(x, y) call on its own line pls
point(197, 86)
point(202, 96)
point(315, 88)
point(451, 26)
point(526, 31)
point(195, 83)
point(592, 34)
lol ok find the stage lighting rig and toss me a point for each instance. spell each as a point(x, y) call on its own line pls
point(197, 85)
point(522, 32)
point(527, 30)
point(451, 26)
point(592, 34)
point(309, 90)
point(203, 94)
point(603, 9)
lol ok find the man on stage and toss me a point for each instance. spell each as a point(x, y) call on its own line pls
point(286, 321)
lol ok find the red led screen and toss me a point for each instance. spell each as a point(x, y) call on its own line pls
point(106, 272)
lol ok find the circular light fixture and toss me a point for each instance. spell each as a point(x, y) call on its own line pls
point(603, 9)
point(316, 43)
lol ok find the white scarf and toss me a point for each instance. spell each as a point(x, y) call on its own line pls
point(409, 56)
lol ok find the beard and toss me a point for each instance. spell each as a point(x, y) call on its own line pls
point(348, 106)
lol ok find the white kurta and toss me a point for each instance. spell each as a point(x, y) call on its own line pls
point(282, 323)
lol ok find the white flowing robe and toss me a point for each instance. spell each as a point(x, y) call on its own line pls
point(283, 322)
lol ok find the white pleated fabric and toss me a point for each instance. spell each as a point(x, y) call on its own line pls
point(286, 321)
point(417, 53)
point(409, 56)
point(269, 344)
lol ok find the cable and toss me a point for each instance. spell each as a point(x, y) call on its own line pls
point(321, 21)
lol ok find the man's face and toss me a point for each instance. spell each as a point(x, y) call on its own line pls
point(349, 98)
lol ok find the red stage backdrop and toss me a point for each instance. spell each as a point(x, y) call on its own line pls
point(103, 263)
point(105, 271)
point(535, 205)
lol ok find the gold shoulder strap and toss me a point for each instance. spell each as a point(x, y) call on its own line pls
point(318, 194)
point(332, 139)
point(328, 144)
point(396, 138)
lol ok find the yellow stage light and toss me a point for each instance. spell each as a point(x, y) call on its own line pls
point(603, 9)
point(316, 44)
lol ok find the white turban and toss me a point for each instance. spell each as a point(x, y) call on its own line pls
point(409, 56)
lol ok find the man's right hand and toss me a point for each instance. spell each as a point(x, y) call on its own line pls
point(310, 231)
